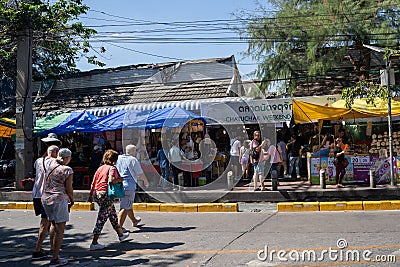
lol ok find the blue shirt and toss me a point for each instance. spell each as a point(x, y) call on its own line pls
point(162, 158)
point(129, 168)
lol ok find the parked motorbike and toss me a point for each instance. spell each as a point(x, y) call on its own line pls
point(7, 172)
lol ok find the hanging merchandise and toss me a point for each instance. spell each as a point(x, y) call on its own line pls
point(190, 142)
point(194, 127)
point(369, 128)
point(200, 127)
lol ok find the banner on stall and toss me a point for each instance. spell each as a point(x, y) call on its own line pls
point(248, 112)
point(357, 171)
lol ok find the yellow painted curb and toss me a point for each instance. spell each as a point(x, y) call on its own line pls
point(171, 207)
point(29, 206)
point(338, 206)
point(298, 206)
point(395, 204)
point(146, 206)
point(284, 206)
point(190, 208)
point(341, 205)
point(382, 205)
point(309, 206)
point(230, 207)
point(186, 207)
point(83, 206)
point(209, 207)
point(372, 205)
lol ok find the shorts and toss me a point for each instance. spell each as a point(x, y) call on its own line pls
point(127, 201)
point(244, 161)
point(58, 212)
point(234, 160)
point(259, 167)
point(38, 207)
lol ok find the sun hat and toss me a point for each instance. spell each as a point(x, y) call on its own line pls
point(51, 138)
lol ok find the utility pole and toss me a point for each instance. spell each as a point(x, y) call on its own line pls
point(24, 118)
point(389, 99)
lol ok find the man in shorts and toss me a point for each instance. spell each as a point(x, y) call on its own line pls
point(129, 168)
point(41, 165)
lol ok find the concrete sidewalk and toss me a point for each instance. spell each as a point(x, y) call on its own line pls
point(243, 192)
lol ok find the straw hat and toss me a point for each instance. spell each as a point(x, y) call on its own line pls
point(52, 139)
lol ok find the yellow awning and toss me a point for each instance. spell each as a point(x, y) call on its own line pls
point(7, 127)
point(368, 110)
point(306, 112)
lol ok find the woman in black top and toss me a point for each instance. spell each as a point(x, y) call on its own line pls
point(339, 159)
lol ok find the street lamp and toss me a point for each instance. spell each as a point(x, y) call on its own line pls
point(387, 65)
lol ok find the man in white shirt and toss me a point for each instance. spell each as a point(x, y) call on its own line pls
point(130, 170)
point(42, 165)
point(234, 155)
point(175, 158)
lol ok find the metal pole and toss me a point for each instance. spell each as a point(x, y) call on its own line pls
point(392, 181)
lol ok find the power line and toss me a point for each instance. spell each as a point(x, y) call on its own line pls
point(140, 52)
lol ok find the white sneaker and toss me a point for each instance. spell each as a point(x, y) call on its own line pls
point(98, 246)
point(123, 237)
point(298, 176)
point(58, 262)
point(137, 221)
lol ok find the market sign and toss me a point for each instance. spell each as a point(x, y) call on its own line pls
point(248, 112)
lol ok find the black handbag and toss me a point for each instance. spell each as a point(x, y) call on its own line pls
point(254, 154)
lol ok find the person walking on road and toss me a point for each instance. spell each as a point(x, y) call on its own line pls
point(130, 170)
point(98, 193)
point(57, 195)
point(41, 165)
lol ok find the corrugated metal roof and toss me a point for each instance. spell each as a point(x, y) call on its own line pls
point(192, 80)
point(191, 105)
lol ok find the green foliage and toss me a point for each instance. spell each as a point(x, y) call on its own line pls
point(311, 37)
point(364, 89)
point(59, 39)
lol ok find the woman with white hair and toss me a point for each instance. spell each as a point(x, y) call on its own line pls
point(57, 193)
point(274, 154)
point(130, 170)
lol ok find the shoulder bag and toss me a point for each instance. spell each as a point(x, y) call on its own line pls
point(253, 152)
point(115, 190)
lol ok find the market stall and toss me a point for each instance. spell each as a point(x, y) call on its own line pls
point(156, 129)
point(367, 151)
